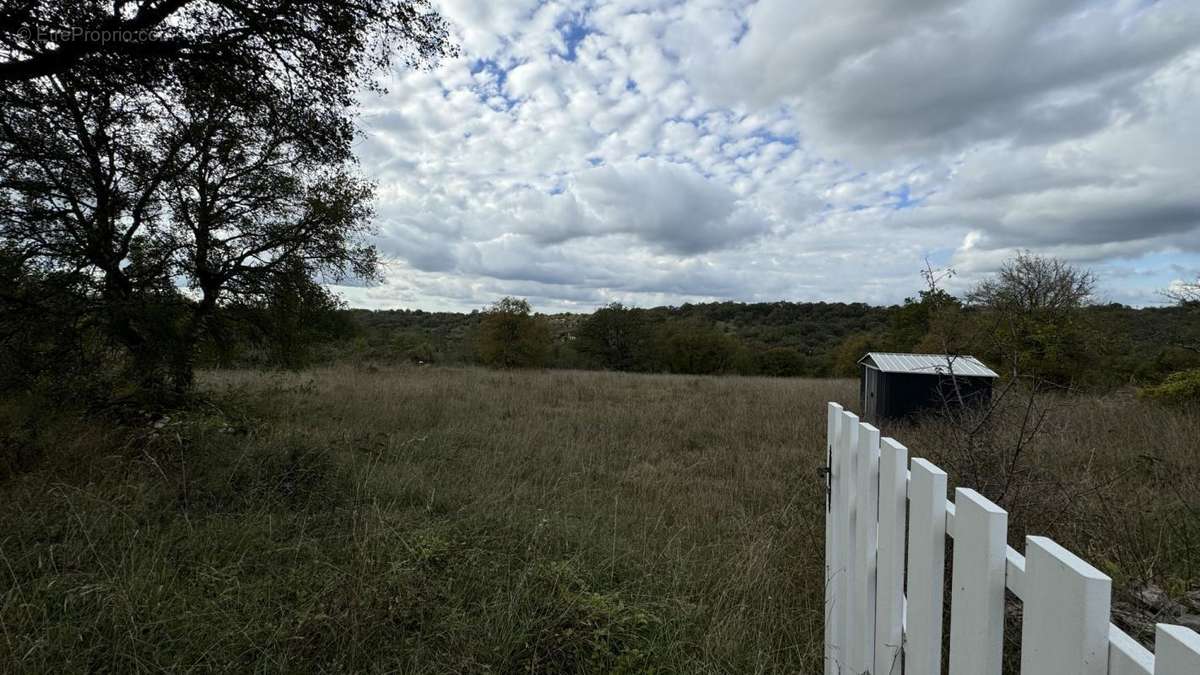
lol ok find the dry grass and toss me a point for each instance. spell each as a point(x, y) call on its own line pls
point(1113, 478)
point(433, 520)
point(460, 520)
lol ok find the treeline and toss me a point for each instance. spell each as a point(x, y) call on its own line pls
point(778, 339)
point(1055, 337)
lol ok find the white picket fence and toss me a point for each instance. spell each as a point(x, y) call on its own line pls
point(882, 622)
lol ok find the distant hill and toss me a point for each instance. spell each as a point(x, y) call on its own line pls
point(1136, 344)
point(812, 328)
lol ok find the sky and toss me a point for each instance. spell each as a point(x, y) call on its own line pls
point(652, 152)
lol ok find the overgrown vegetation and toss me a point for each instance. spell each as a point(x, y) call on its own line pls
point(1102, 347)
point(182, 202)
point(511, 337)
point(422, 520)
point(472, 520)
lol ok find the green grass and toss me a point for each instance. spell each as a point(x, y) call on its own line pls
point(429, 520)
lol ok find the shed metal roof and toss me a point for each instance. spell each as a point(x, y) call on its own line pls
point(927, 364)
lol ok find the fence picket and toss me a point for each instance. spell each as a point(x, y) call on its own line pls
point(845, 450)
point(1126, 656)
point(977, 585)
point(874, 627)
point(867, 507)
point(1066, 618)
point(926, 560)
point(1176, 651)
point(833, 639)
point(889, 597)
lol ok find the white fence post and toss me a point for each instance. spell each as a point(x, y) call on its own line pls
point(867, 516)
point(889, 598)
point(833, 639)
point(977, 585)
point(1065, 624)
point(847, 586)
point(1176, 651)
point(926, 560)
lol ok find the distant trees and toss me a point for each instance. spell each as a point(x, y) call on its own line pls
point(511, 336)
point(778, 339)
point(1032, 319)
point(1183, 385)
point(1187, 297)
point(615, 337)
point(917, 323)
point(695, 348)
point(781, 362)
point(847, 353)
point(1028, 320)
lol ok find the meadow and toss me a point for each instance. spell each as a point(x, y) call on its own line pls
point(420, 520)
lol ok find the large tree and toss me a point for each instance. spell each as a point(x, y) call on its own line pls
point(512, 336)
point(255, 208)
point(220, 162)
point(615, 337)
point(1031, 311)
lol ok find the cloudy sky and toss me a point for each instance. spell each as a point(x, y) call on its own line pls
point(658, 152)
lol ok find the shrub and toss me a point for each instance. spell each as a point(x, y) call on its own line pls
point(1181, 387)
point(615, 337)
point(694, 348)
point(781, 362)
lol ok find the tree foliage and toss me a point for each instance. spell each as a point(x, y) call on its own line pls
point(1186, 296)
point(694, 348)
point(216, 156)
point(1032, 317)
point(511, 336)
point(616, 338)
point(321, 46)
point(914, 321)
point(1182, 387)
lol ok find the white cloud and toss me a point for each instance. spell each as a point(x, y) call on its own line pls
point(657, 151)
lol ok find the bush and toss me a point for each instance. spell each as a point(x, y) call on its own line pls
point(511, 337)
point(692, 348)
point(615, 337)
point(853, 348)
point(781, 362)
point(1181, 387)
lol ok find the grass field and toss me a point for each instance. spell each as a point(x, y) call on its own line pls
point(462, 520)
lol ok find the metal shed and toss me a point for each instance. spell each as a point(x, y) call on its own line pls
point(895, 386)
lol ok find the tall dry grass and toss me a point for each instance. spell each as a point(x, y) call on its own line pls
point(461, 520)
point(1114, 478)
point(435, 520)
